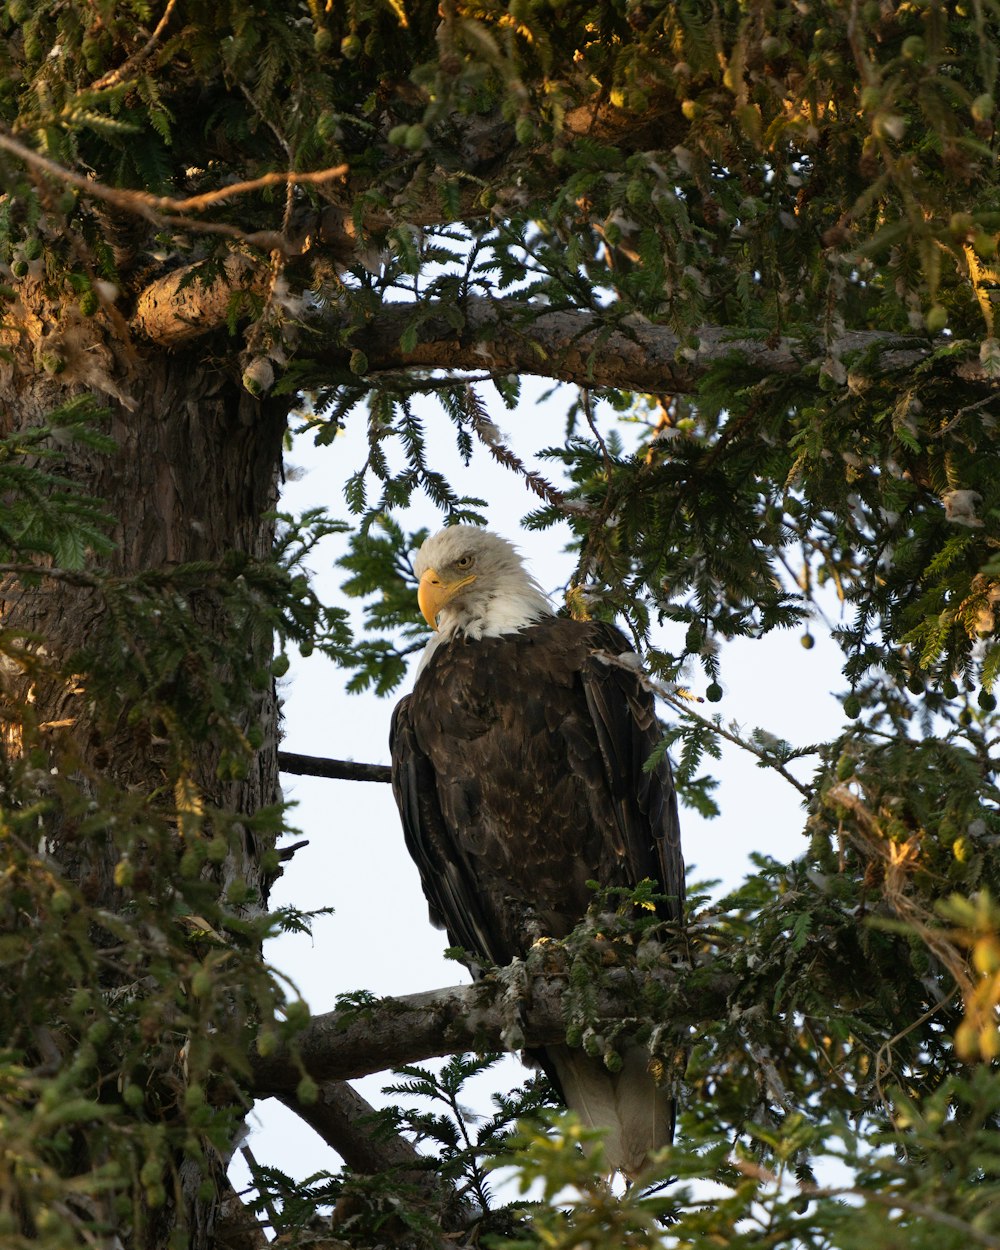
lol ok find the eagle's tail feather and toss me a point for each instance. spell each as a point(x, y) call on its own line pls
point(637, 1115)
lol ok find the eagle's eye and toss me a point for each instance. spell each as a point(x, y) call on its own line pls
point(464, 562)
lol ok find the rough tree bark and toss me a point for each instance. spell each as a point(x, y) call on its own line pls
point(503, 336)
point(497, 1013)
point(194, 475)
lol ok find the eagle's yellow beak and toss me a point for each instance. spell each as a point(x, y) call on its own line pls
point(433, 594)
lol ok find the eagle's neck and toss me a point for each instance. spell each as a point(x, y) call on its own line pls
point(490, 613)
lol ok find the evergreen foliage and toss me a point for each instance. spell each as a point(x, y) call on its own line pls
point(793, 211)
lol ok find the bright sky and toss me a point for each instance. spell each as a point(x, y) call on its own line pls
point(379, 938)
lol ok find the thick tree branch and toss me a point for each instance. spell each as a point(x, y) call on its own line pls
point(345, 1121)
point(338, 770)
point(380, 1035)
point(499, 337)
point(489, 1015)
point(583, 347)
point(178, 308)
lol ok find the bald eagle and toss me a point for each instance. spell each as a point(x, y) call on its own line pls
point(517, 766)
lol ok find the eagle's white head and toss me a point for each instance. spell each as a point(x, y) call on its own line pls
point(474, 582)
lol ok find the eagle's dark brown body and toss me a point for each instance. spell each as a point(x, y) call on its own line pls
point(518, 769)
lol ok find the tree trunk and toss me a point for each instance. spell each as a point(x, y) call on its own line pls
point(193, 476)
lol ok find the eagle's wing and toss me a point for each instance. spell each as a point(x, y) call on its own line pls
point(644, 802)
point(448, 884)
point(637, 1113)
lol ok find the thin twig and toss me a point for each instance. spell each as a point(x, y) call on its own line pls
point(73, 577)
point(669, 696)
point(892, 1199)
point(883, 1065)
point(962, 412)
point(899, 860)
point(115, 76)
point(764, 756)
point(807, 590)
point(266, 240)
point(588, 412)
point(163, 210)
point(166, 203)
point(493, 440)
point(677, 700)
point(339, 770)
point(265, 1197)
point(248, 96)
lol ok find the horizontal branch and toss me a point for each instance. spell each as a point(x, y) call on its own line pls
point(488, 1016)
point(589, 348)
point(338, 770)
point(506, 336)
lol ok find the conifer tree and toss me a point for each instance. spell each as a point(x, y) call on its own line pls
point(756, 241)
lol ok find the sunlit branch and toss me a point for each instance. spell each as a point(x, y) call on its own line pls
point(165, 210)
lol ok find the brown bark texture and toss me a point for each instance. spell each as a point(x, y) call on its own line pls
point(193, 475)
point(503, 1011)
point(508, 337)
